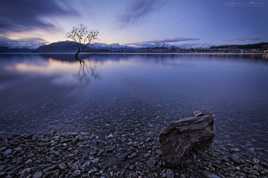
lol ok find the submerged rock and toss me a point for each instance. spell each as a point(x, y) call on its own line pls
point(182, 137)
point(37, 174)
point(7, 152)
point(167, 173)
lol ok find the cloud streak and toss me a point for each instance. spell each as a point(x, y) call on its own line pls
point(24, 15)
point(138, 9)
point(173, 40)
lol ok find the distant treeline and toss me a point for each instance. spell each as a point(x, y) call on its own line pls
point(260, 46)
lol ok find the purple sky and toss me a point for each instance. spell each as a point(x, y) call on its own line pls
point(131, 21)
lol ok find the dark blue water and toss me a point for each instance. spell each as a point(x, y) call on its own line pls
point(45, 93)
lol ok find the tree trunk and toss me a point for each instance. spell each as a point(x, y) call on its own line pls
point(77, 53)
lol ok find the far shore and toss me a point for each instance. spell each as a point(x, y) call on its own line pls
point(190, 53)
point(260, 55)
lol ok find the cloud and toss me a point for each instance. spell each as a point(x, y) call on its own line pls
point(245, 3)
point(31, 43)
point(164, 42)
point(139, 9)
point(23, 15)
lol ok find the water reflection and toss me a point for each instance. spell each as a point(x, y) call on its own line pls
point(66, 70)
point(87, 71)
point(77, 71)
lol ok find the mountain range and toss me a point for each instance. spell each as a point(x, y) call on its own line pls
point(70, 46)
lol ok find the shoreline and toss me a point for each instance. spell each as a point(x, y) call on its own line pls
point(262, 56)
point(91, 154)
point(190, 53)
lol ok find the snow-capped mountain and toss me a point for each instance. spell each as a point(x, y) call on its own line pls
point(107, 46)
point(30, 43)
point(193, 45)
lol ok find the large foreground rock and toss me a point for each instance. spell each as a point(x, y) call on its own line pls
point(184, 136)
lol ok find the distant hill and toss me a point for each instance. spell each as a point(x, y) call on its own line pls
point(62, 46)
point(69, 46)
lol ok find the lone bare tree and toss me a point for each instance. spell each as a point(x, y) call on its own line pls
point(82, 35)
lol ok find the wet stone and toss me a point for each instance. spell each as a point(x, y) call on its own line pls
point(235, 158)
point(211, 175)
point(132, 155)
point(167, 173)
point(62, 166)
point(7, 152)
point(37, 174)
point(77, 173)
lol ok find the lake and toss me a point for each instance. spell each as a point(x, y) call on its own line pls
point(44, 93)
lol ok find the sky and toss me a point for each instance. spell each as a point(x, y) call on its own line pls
point(34, 22)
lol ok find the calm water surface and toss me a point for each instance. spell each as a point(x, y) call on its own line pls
point(43, 93)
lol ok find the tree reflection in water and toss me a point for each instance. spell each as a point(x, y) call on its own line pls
point(87, 71)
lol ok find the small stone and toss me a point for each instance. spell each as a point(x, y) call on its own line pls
point(148, 139)
point(132, 155)
point(182, 176)
point(75, 165)
point(2, 167)
point(211, 175)
point(234, 149)
point(25, 172)
point(151, 163)
point(255, 161)
point(2, 174)
point(50, 168)
point(235, 158)
point(264, 164)
point(3, 148)
point(7, 152)
point(110, 136)
point(122, 156)
point(158, 152)
point(109, 149)
point(147, 155)
point(252, 150)
point(95, 160)
point(168, 173)
point(76, 173)
point(18, 149)
point(86, 165)
point(131, 167)
point(62, 166)
point(92, 170)
point(100, 152)
point(29, 161)
point(93, 152)
point(37, 174)
point(197, 113)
